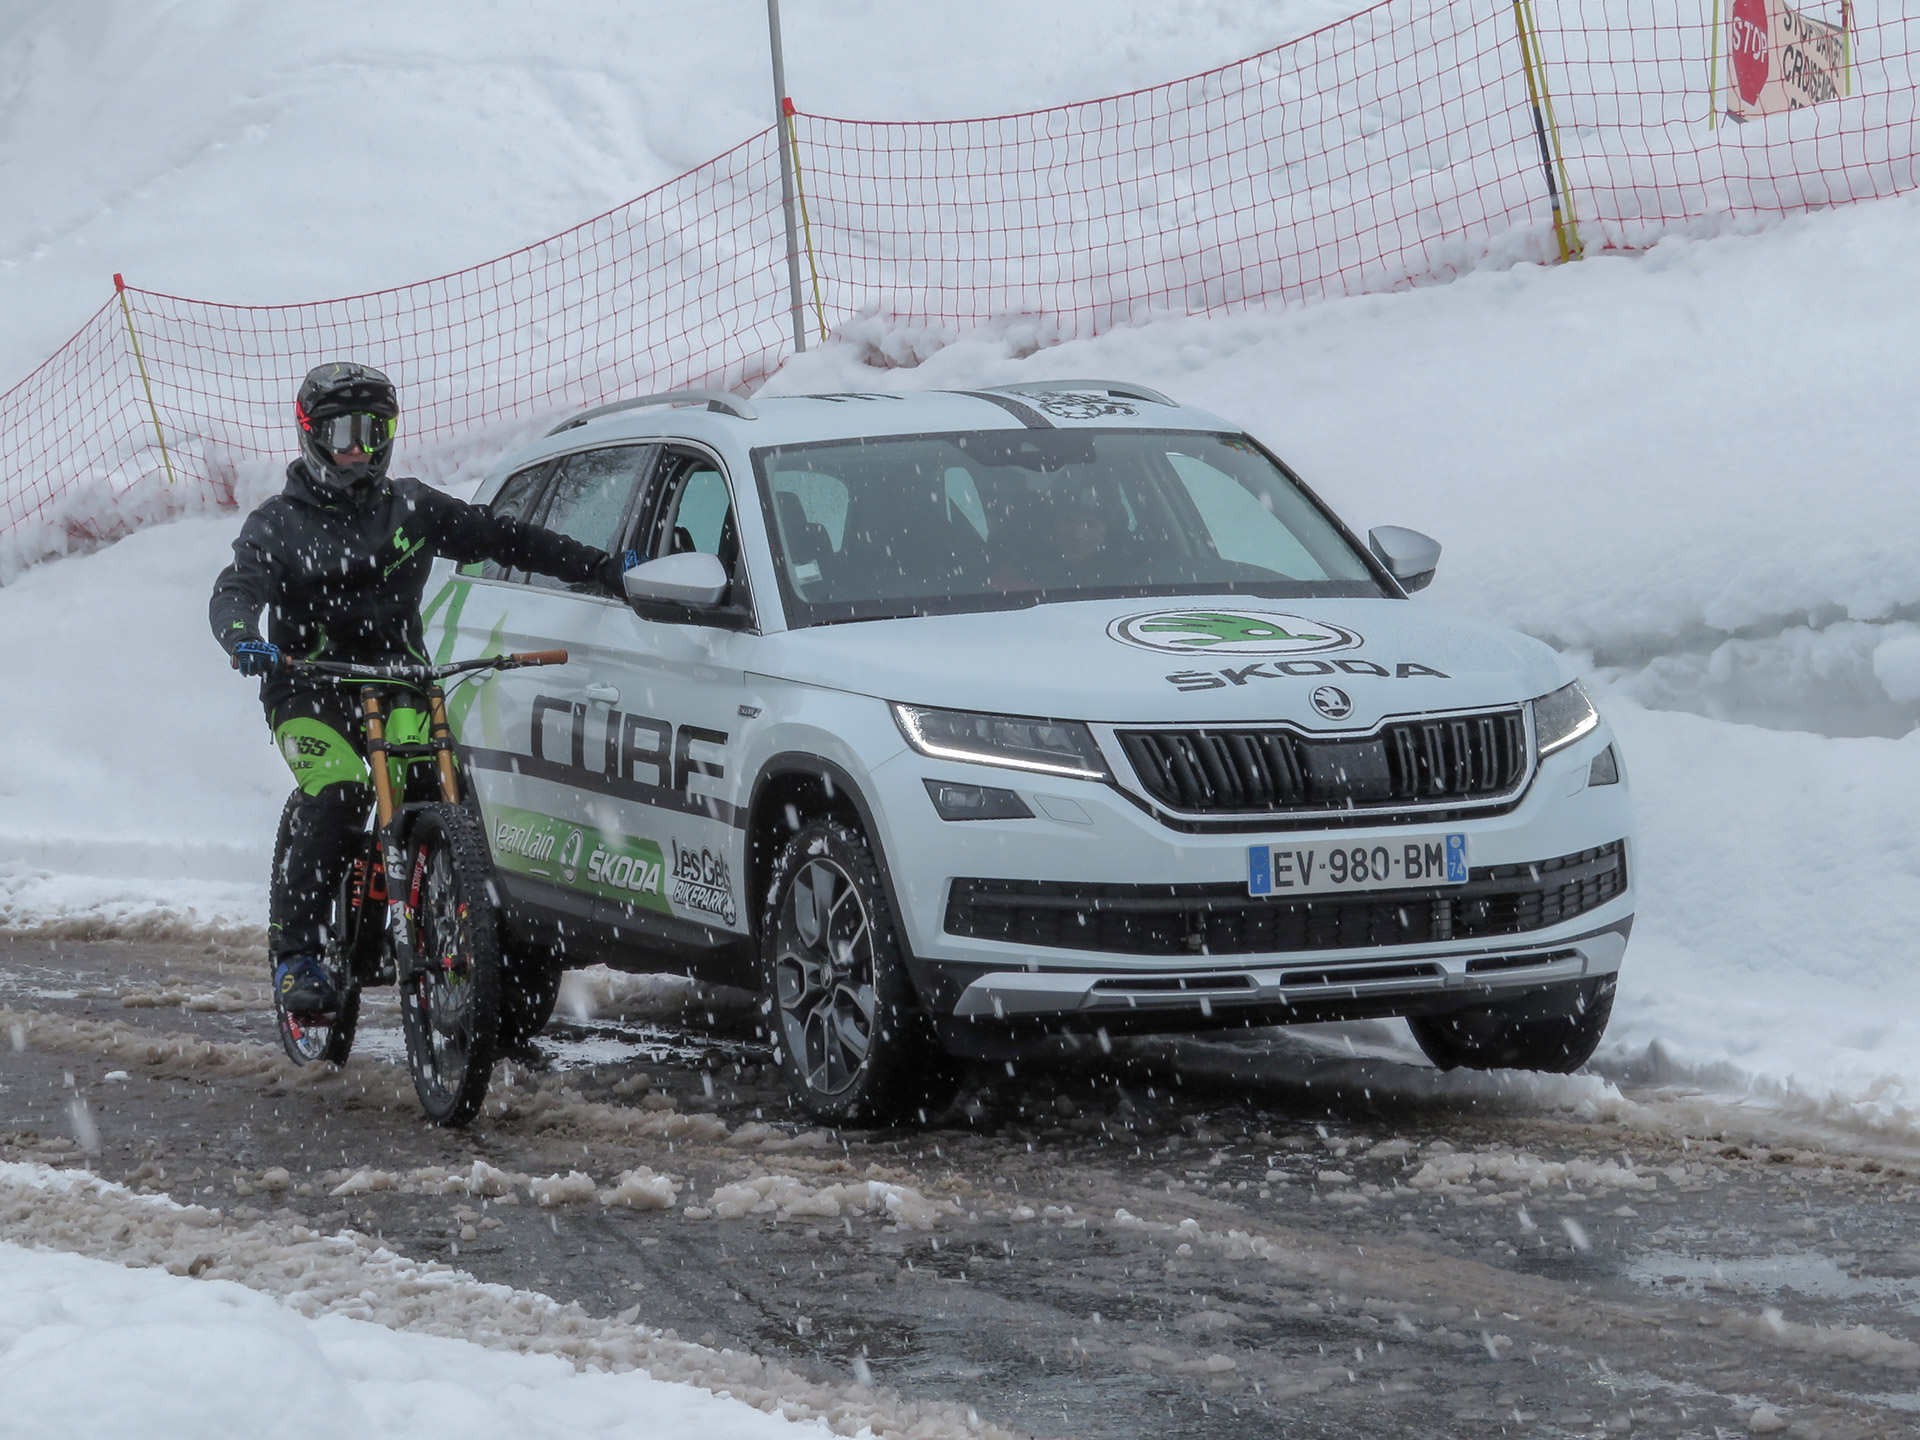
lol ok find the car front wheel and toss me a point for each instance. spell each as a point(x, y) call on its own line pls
point(852, 1041)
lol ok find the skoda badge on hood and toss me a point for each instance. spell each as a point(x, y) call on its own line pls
point(1332, 702)
point(1230, 632)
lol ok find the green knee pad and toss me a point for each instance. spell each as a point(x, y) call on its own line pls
point(318, 755)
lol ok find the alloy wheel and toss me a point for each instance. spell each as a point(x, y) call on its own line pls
point(824, 978)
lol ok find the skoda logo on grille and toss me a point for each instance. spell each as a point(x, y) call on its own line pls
point(1230, 632)
point(1332, 702)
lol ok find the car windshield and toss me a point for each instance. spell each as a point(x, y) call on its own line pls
point(939, 524)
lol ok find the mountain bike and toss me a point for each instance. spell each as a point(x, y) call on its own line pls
point(415, 907)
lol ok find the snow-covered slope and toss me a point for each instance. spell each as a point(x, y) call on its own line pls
point(260, 154)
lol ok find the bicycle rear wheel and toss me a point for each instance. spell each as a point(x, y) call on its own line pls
point(450, 1005)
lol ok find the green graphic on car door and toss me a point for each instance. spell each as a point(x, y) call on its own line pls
point(627, 868)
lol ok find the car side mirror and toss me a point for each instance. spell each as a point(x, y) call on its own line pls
point(1410, 557)
point(690, 578)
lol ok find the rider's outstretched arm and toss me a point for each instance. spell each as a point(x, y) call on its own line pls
point(244, 587)
point(466, 533)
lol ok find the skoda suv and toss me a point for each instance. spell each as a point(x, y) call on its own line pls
point(949, 720)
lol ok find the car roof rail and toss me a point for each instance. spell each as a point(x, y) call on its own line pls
point(1119, 389)
point(723, 400)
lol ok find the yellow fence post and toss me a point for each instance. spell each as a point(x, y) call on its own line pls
point(1566, 224)
point(806, 225)
point(120, 289)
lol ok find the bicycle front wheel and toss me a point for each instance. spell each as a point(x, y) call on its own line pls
point(450, 1006)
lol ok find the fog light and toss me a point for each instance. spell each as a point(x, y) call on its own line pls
point(975, 802)
point(1605, 769)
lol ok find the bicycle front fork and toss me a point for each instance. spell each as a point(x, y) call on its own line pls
point(386, 810)
point(387, 807)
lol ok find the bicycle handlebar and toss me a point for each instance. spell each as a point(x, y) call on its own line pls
point(417, 673)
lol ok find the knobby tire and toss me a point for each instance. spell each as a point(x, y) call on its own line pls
point(450, 1007)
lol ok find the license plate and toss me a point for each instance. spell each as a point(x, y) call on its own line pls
point(1320, 869)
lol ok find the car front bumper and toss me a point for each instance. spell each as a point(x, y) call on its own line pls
point(1308, 986)
point(973, 982)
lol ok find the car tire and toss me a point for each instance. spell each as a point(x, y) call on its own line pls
point(531, 986)
point(853, 1044)
point(1555, 1030)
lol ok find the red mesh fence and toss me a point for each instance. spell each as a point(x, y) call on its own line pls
point(1644, 158)
point(1398, 146)
point(683, 286)
point(1390, 147)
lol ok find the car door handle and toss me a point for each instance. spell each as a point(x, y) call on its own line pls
point(603, 694)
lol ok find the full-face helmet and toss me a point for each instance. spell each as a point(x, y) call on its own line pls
point(348, 416)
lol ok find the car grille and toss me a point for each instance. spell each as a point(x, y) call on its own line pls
point(1225, 920)
point(1228, 772)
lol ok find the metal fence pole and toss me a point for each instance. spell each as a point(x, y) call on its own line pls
point(133, 335)
point(1566, 227)
point(786, 177)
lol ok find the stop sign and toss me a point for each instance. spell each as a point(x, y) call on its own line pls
point(1750, 47)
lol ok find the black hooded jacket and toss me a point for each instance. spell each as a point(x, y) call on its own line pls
point(341, 578)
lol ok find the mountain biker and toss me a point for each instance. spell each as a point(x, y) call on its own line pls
point(339, 560)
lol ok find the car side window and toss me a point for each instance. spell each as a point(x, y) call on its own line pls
point(589, 500)
point(515, 501)
point(694, 513)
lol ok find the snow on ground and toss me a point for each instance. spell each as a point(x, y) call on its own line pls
point(88, 1347)
point(137, 773)
point(214, 1325)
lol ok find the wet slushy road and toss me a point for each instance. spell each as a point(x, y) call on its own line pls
point(1278, 1235)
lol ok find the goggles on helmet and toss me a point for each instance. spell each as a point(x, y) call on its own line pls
point(340, 433)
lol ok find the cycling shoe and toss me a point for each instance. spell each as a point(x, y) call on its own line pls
point(303, 987)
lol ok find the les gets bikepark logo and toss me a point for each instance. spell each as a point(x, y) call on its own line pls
point(1230, 632)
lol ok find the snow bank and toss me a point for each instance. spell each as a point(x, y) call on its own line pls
point(90, 1348)
point(329, 1286)
point(138, 776)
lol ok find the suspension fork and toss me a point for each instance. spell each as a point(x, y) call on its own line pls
point(442, 736)
point(373, 717)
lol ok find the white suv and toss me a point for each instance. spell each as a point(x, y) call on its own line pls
point(951, 719)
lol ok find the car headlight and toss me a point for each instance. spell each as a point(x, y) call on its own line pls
point(1563, 717)
point(1046, 747)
